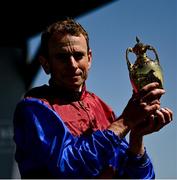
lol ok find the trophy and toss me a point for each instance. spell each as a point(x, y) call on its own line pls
point(144, 70)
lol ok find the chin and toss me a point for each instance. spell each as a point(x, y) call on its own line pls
point(75, 87)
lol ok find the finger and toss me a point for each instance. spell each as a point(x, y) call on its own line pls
point(151, 109)
point(167, 115)
point(153, 95)
point(151, 122)
point(145, 90)
point(160, 120)
point(170, 111)
point(156, 101)
point(148, 87)
point(147, 127)
point(163, 117)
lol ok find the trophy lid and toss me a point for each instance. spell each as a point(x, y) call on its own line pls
point(139, 49)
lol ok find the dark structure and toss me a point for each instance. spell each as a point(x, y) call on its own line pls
point(25, 19)
point(21, 20)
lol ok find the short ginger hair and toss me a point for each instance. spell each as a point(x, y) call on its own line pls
point(63, 27)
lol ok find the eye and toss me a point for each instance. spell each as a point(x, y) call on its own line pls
point(78, 55)
point(62, 56)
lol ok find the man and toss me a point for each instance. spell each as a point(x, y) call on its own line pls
point(61, 130)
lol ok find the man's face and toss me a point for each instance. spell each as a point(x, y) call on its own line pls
point(69, 61)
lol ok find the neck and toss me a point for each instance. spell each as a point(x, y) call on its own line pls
point(61, 87)
point(66, 93)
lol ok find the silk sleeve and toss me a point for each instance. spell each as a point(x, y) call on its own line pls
point(138, 167)
point(44, 144)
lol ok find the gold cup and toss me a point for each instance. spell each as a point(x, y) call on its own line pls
point(145, 70)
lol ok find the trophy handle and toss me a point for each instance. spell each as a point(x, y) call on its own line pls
point(155, 52)
point(127, 59)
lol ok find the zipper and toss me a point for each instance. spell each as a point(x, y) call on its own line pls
point(86, 109)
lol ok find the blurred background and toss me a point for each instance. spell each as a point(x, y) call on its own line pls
point(112, 27)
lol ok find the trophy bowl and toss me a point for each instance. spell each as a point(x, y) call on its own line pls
point(145, 70)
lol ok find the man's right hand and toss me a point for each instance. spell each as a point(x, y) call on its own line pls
point(142, 104)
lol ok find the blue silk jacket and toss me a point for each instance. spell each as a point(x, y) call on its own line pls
point(47, 148)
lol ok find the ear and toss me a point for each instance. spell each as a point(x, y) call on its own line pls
point(89, 58)
point(45, 64)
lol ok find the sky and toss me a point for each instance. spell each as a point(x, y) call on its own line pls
point(112, 29)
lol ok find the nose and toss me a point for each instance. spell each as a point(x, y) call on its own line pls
point(72, 62)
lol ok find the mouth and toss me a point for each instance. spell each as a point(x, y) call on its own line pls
point(74, 75)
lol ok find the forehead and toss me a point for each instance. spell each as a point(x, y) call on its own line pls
point(61, 42)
